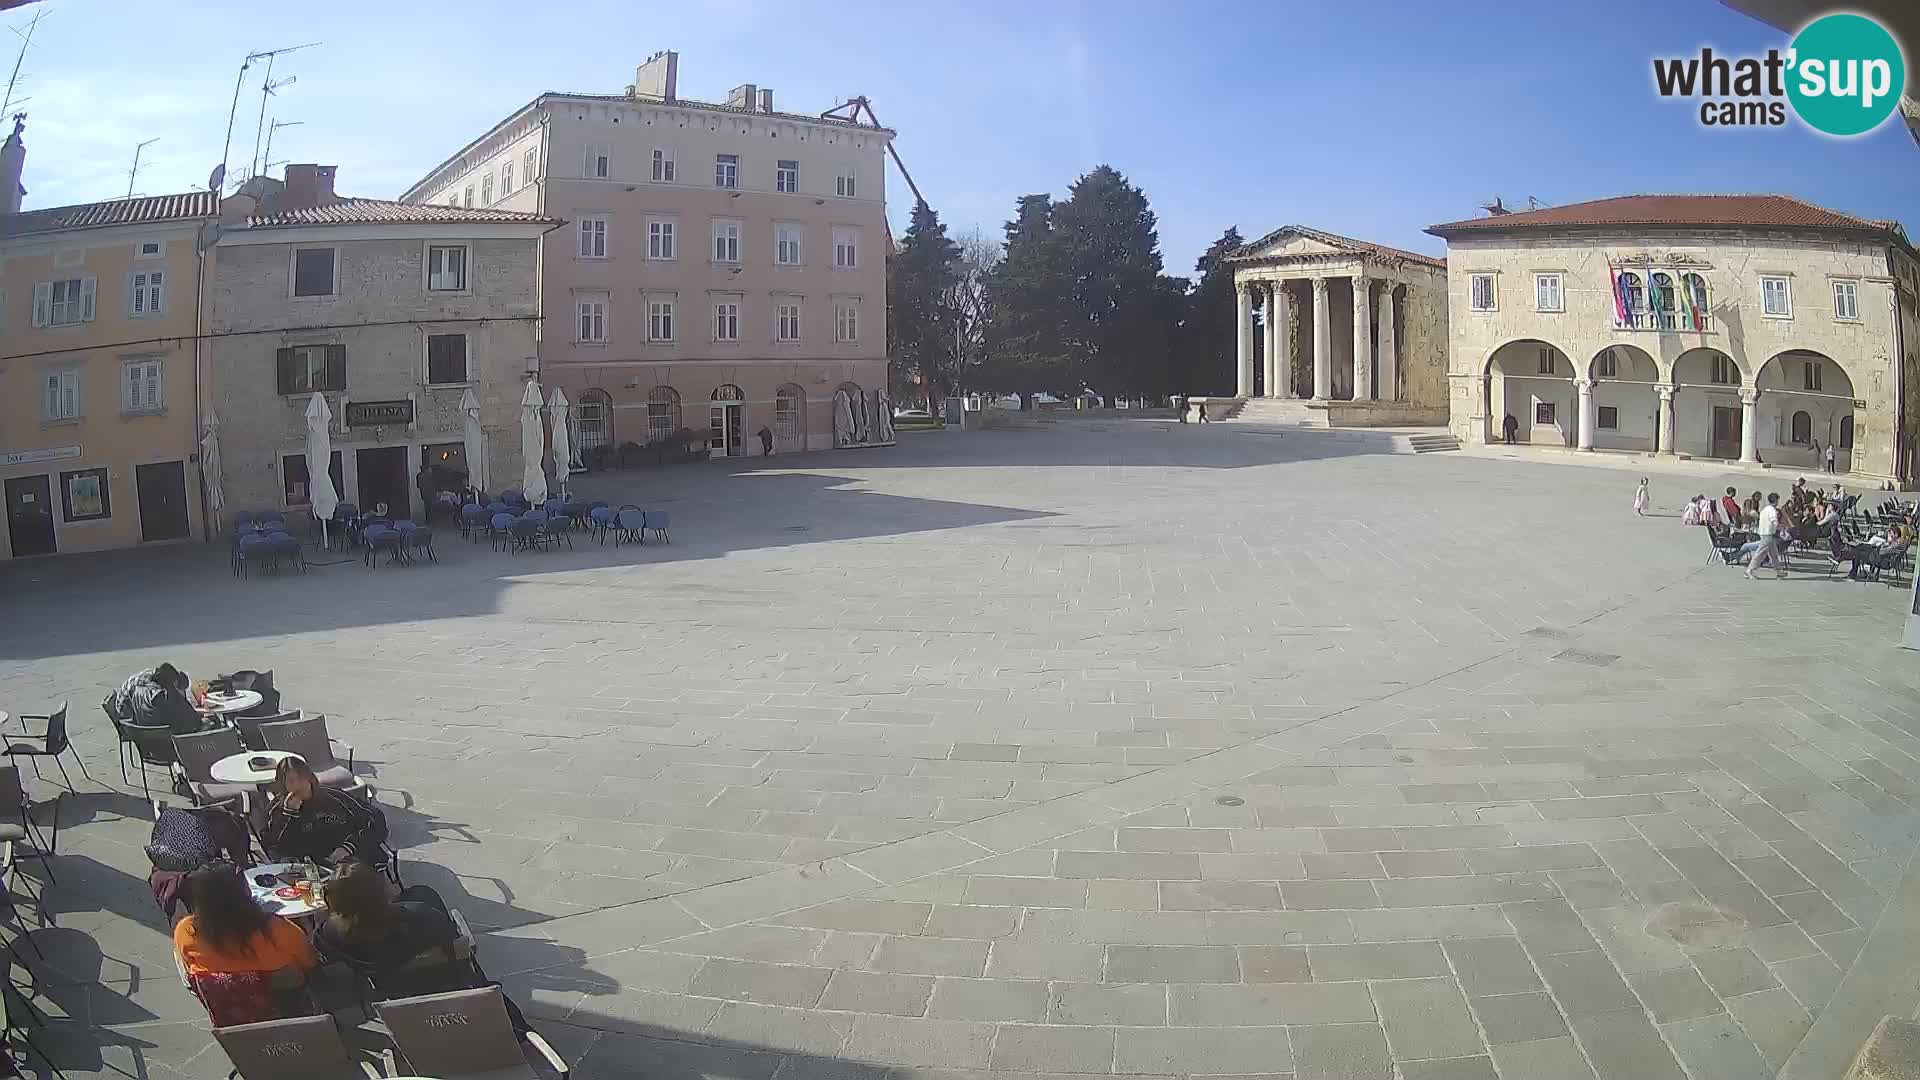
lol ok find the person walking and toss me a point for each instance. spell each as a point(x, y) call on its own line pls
point(1509, 429)
point(1769, 536)
point(1640, 498)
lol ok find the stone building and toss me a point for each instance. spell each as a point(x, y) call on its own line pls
point(726, 266)
point(393, 312)
point(1361, 329)
point(1742, 327)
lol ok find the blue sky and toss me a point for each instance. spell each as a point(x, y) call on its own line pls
point(1370, 119)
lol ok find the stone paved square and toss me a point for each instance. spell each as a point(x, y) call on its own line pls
point(1087, 747)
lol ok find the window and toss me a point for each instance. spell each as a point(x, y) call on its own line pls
point(1543, 413)
point(1545, 365)
point(1801, 428)
point(150, 249)
point(1810, 376)
point(659, 320)
point(1846, 300)
point(1481, 286)
point(663, 413)
point(1609, 418)
point(593, 236)
point(786, 245)
point(786, 176)
point(528, 162)
point(1846, 432)
point(593, 420)
point(726, 321)
point(467, 196)
point(304, 369)
point(313, 271)
point(1776, 297)
point(1724, 373)
point(84, 496)
point(663, 164)
point(146, 293)
point(446, 268)
point(786, 413)
point(486, 190)
point(593, 317)
point(506, 178)
point(63, 303)
point(1633, 297)
point(1546, 292)
point(787, 322)
point(63, 395)
point(599, 163)
point(1660, 299)
point(846, 320)
point(726, 241)
point(726, 170)
point(1606, 366)
point(293, 475)
point(144, 389)
point(1695, 288)
point(447, 359)
point(846, 249)
point(659, 239)
point(843, 183)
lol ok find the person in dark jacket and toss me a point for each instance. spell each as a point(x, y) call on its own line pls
point(157, 697)
point(309, 820)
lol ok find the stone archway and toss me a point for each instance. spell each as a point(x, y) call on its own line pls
point(1813, 389)
point(1531, 380)
point(1712, 406)
point(1625, 398)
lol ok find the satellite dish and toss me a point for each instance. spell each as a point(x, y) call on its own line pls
point(217, 178)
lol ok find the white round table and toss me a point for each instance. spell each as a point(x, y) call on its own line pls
point(222, 704)
point(264, 894)
point(238, 768)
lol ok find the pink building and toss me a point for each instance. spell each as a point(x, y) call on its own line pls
point(722, 267)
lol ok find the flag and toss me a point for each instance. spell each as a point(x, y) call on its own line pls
point(1619, 301)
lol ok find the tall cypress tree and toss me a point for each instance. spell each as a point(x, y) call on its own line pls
point(1028, 296)
point(1205, 363)
point(920, 295)
point(1120, 302)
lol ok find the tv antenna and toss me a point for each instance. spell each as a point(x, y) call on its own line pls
point(219, 177)
point(135, 171)
point(266, 159)
point(7, 101)
point(267, 88)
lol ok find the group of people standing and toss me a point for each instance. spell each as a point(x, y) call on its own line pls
point(1806, 516)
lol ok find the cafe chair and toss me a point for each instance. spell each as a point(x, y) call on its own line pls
point(657, 522)
point(299, 1048)
point(14, 805)
point(53, 743)
point(464, 1035)
point(249, 726)
point(153, 746)
point(10, 1022)
point(197, 754)
point(308, 738)
point(260, 682)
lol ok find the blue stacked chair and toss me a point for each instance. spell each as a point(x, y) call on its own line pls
point(500, 528)
point(473, 521)
point(526, 532)
point(602, 518)
point(632, 525)
point(657, 521)
point(378, 538)
point(284, 546)
point(558, 527)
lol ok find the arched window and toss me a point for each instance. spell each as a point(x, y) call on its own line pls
point(728, 392)
point(1632, 297)
point(1802, 433)
point(663, 413)
point(1846, 432)
point(789, 416)
point(593, 421)
point(1660, 299)
point(1694, 306)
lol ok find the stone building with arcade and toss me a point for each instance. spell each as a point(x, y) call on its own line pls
point(1752, 328)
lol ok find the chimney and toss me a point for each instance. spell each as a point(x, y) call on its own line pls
point(13, 162)
point(766, 101)
point(308, 185)
point(743, 96)
point(659, 77)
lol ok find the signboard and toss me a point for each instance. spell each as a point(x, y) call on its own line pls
point(379, 413)
point(28, 457)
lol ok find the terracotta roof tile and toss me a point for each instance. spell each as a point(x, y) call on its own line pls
point(711, 106)
point(1344, 243)
point(145, 209)
point(1699, 211)
point(388, 212)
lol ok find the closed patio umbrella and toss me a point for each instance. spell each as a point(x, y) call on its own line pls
point(320, 494)
point(558, 415)
point(533, 446)
point(473, 441)
point(210, 467)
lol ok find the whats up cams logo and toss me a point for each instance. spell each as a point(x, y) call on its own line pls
point(1842, 75)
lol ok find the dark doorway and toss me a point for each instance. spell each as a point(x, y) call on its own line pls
point(163, 501)
point(1726, 432)
point(30, 515)
point(384, 478)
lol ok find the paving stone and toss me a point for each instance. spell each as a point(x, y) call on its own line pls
point(766, 984)
point(1028, 892)
point(1624, 1046)
point(1218, 896)
point(1467, 1068)
point(1143, 865)
point(988, 999)
point(894, 1040)
point(874, 992)
point(1203, 1050)
point(1421, 924)
point(1128, 1005)
point(1341, 1052)
point(1426, 1018)
point(1624, 933)
point(1054, 1049)
point(1328, 895)
point(1511, 1018)
point(1815, 913)
point(1418, 864)
point(1035, 960)
point(1271, 1003)
point(1713, 1048)
point(1812, 979)
point(1495, 965)
point(791, 1030)
point(1360, 839)
point(1524, 859)
point(1549, 927)
point(1274, 963)
point(931, 956)
point(1546, 1059)
point(1675, 994)
point(971, 921)
point(1585, 983)
point(1214, 840)
point(1773, 1020)
point(1172, 964)
point(1341, 864)
point(1733, 971)
point(1385, 960)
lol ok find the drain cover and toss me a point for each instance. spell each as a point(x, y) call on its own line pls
point(1229, 800)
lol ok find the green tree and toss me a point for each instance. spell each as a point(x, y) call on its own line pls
point(1027, 297)
point(1204, 364)
point(921, 282)
point(1121, 307)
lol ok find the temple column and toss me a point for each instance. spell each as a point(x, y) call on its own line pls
point(1322, 344)
point(1243, 342)
point(1280, 383)
point(1665, 422)
point(1587, 417)
point(1362, 339)
point(1389, 388)
point(1749, 438)
point(1267, 339)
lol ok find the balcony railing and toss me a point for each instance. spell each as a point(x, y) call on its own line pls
point(1673, 322)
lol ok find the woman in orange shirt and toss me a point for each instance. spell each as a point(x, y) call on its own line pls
point(231, 947)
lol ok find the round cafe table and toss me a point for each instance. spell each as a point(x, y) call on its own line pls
point(238, 768)
point(223, 704)
point(265, 896)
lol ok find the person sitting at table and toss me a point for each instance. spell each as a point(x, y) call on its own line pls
point(157, 697)
point(230, 947)
point(309, 820)
point(377, 934)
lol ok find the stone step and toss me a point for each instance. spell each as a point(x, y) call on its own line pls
point(1276, 411)
point(1432, 444)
